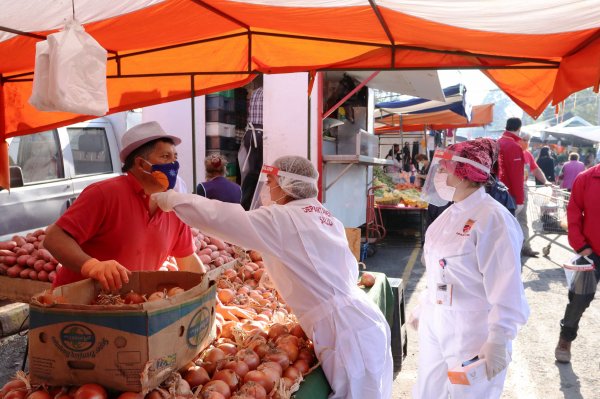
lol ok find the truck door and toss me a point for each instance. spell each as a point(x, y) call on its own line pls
point(94, 154)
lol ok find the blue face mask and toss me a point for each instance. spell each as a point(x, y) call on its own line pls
point(165, 174)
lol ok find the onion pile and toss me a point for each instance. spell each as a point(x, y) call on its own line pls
point(25, 257)
point(212, 251)
point(260, 350)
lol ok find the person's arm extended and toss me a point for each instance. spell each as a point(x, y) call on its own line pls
point(110, 274)
point(539, 175)
point(191, 263)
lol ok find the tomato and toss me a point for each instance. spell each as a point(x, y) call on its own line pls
point(39, 395)
point(90, 391)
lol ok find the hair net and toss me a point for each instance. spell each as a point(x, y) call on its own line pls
point(298, 189)
point(482, 151)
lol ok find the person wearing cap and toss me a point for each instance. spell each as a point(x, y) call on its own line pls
point(217, 185)
point(113, 228)
point(474, 302)
point(583, 216)
point(307, 257)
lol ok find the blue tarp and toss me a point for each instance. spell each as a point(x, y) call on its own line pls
point(455, 102)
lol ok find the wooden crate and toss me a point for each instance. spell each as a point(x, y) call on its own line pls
point(353, 237)
point(20, 289)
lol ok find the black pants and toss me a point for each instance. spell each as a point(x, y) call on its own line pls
point(248, 188)
point(575, 308)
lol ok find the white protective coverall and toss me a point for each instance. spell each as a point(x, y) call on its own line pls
point(479, 243)
point(307, 257)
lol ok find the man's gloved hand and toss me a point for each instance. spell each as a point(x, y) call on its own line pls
point(496, 358)
point(165, 201)
point(110, 274)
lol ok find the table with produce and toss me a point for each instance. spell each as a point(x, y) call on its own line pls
point(165, 334)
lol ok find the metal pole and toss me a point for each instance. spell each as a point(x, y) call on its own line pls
point(193, 104)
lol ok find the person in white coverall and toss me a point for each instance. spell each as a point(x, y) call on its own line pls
point(307, 256)
point(474, 302)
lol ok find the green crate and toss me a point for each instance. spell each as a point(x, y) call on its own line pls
point(231, 169)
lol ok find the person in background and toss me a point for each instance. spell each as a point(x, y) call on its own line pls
point(250, 155)
point(583, 215)
point(570, 171)
point(306, 255)
point(217, 186)
point(511, 163)
point(422, 168)
point(394, 156)
point(474, 303)
point(112, 228)
point(546, 164)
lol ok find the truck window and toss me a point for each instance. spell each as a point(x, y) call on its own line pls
point(38, 155)
point(91, 153)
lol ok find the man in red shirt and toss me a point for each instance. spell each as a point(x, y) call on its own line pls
point(583, 214)
point(511, 164)
point(112, 228)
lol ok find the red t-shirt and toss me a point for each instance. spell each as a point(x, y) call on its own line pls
point(111, 220)
point(511, 165)
point(583, 211)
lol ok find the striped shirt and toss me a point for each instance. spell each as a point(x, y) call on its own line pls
point(255, 107)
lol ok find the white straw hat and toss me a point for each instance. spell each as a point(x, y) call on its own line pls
point(140, 135)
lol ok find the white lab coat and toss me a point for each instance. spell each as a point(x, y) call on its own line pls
point(480, 242)
point(307, 257)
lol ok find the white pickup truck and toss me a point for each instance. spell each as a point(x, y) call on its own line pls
point(48, 170)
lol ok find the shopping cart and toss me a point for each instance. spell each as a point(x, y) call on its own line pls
point(547, 210)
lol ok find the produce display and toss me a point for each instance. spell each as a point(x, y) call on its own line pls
point(389, 193)
point(25, 257)
point(259, 351)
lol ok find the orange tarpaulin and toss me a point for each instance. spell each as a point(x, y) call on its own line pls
point(481, 115)
point(156, 47)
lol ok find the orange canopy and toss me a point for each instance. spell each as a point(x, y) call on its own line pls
point(160, 49)
point(480, 115)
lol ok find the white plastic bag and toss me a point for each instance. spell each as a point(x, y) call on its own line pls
point(77, 72)
point(39, 94)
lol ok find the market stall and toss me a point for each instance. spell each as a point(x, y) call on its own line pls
point(244, 310)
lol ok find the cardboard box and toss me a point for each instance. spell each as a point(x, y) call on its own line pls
point(20, 289)
point(128, 347)
point(470, 374)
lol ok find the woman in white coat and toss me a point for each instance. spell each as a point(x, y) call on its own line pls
point(307, 257)
point(474, 302)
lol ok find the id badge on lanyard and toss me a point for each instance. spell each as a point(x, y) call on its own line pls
point(443, 292)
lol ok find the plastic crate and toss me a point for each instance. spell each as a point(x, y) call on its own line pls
point(220, 115)
point(220, 129)
point(222, 143)
point(219, 102)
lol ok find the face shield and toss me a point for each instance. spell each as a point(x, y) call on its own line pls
point(436, 190)
point(270, 179)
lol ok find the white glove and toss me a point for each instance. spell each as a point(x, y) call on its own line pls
point(496, 358)
point(165, 201)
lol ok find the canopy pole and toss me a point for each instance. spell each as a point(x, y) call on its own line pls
point(4, 163)
point(193, 105)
